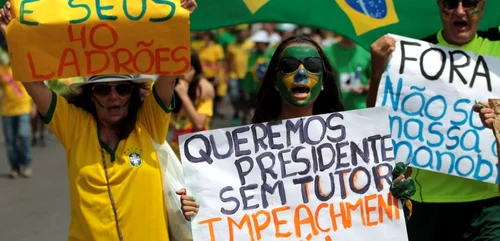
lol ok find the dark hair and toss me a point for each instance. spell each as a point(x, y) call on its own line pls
point(194, 84)
point(83, 100)
point(269, 100)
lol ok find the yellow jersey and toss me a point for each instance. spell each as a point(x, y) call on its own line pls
point(15, 99)
point(210, 57)
point(239, 53)
point(135, 178)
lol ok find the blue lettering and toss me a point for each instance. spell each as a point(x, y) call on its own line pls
point(475, 147)
point(440, 160)
point(480, 163)
point(402, 143)
point(422, 102)
point(498, 175)
point(471, 122)
point(72, 5)
point(419, 129)
point(456, 139)
point(388, 90)
point(23, 12)
point(397, 119)
point(457, 166)
point(460, 110)
point(100, 8)
point(443, 107)
point(427, 165)
point(437, 133)
point(494, 148)
point(127, 14)
point(169, 16)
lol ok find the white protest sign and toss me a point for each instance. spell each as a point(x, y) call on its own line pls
point(430, 92)
point(324, 177)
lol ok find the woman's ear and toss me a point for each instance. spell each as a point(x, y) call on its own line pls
point(322, 87)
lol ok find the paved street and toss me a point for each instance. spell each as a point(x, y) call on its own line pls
point(37, 209)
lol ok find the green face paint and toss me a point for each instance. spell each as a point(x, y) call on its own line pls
point(300, 77)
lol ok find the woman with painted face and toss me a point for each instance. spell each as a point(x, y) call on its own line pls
point(300, 82)
point(192, 113)
point(111, 138)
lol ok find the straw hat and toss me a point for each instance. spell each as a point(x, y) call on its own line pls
point(109, 78)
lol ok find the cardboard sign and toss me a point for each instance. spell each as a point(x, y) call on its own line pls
point(59, 38)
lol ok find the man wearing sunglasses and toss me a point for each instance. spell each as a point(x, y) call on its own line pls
point(447, 207)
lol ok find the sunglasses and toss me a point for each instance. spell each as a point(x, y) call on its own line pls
point(123, 89)
point(290, 64)
point(453, 4)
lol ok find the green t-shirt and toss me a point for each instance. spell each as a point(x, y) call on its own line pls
point(353, 68)
point(442, 188)
point(257, 67)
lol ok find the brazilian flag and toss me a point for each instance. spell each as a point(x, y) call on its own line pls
point(364, 21)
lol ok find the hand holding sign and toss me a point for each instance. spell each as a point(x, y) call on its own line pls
point(5, 17)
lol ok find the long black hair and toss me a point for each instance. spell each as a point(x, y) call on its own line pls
point(83, 100)
point(269, 99)
point(194, 84)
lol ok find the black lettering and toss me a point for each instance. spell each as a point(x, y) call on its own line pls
point(403, 54)
point(238, 141)
point(303, 181)
point(242, 173)
point(386, 150)
point(373, 142)
point(340, 127)
point(486, 74)
point(295, 128)
point(321, 162)
point(306, 130)
point(454, 68)
point(306, 161)
point(341, 155)
point(230, 151)
point(443, 64)
point(356, 151)
point(259, 140)
point(245, 199)
point(378, 176)
point(271, 190)
point(269, 170)
point(283, 163)
point(271, 135)
point(204, 154)
point(228, 199)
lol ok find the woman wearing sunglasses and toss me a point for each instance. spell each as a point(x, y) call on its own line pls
point(299, 82)
point(192, 112)
point(111, 137)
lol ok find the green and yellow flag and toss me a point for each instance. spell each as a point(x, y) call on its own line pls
point(361, 20)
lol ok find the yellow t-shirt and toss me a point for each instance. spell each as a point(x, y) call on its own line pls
point(239, 54)
point(210, 56)
point(133, 168)
point(197, 45)
point(15, 99)
point(183, 124)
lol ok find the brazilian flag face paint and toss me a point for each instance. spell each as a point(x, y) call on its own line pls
point(300, 75)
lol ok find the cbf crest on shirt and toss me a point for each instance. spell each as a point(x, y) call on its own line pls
point(134, 157)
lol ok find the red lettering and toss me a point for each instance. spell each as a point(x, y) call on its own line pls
point(126, 61)
point(65, 62)
point(34, 75)
point(114, 36)
point(150, 57)
point(82, 36)
point(184, 59)
point(159, 59)
point(89, 54)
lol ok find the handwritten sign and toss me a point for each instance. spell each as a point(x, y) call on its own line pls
point(60, 38)
point(324, 177)
point(430, 92)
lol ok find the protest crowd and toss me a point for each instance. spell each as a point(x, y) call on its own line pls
point(241, 75)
